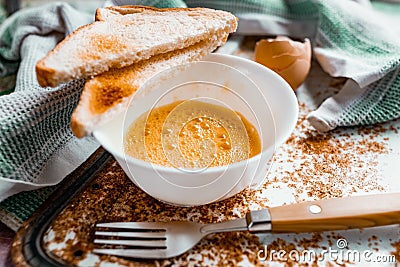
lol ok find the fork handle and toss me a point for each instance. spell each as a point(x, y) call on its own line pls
point(336, 214)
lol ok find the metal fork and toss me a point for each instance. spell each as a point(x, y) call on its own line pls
point(168, 239)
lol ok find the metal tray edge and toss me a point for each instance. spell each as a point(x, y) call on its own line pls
point(26, 249)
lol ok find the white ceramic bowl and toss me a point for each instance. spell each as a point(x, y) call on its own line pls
point(255, 91)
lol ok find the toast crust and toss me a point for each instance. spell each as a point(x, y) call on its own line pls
point(103, 14)
point(48, 76)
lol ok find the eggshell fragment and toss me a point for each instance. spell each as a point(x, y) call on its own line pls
point(290, 59)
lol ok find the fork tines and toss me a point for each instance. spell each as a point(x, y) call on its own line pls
point(134, 235)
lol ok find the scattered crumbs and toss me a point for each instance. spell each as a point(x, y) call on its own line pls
point(324, 165)
point(396, 252)
point(309, 243)
point(310, 165)
point(113, 197)
point(392, 128)
point(317, 94)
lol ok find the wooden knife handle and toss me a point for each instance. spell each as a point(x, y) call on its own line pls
point(337, 213)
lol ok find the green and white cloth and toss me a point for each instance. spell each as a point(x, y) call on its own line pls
point(352, 41)
point(37, 148)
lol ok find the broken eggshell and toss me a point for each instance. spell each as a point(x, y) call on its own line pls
point(290, 59)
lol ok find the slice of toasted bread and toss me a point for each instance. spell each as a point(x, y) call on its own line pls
point(109, 93)
point(123, 36)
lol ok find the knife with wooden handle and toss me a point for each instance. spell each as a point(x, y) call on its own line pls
point(328, 214)
point(174, 238)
